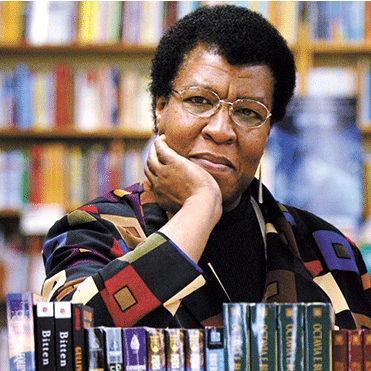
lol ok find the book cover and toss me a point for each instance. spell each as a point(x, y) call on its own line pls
point(263, 336)
point(95, 356)
point(24, 97)
point(87, 29)
point(194, 350)
point(131, 21)
point(114, 22)
point(62, 22)
point(114, 350)
point(44, 336)
point(63, 96)
point(290, 336)
point(82, 318)
point(156, 349)
point(236, 336)
point(135, 348)
point(21, 331)
point(355, 350)
point(214, 348)
point(75, 177)
point(36, 173)
point(307, 173)
point(366, 349)
point(11, 22)
point(319, 323)
point(3, 179)
point(63, 335)
point(54, 159)
point(36, 27)
point(174, 347)
point(340, 350)
point(87, 102)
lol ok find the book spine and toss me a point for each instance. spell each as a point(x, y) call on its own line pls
point(63, 335)
point(319, 321)
point(340, 350)
point(236, 336)
point(44, 336)
point(21, 334)
point(114, 351)
point(174, 348)
point(214, 348)
point(366, 350)
point(96, 348)
point(156, 349)
point(355, 350)
point(82, 318)
point(194, 350)
point(263, 336)
point(290, 336)
point(135, 345)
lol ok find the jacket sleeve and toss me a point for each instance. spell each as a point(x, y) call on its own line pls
point(105, 261)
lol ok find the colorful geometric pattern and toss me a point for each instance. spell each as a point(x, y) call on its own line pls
point(110, 255)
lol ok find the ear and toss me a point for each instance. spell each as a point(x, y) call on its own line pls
point(160, 105)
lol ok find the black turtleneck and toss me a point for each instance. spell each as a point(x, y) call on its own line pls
point(236, 251)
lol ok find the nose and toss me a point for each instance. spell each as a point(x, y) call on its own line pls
point(220, 126)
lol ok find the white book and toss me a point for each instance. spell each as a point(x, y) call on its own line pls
point(332, 82)
point(38, 23)
point(87, 103)
point(61, 25)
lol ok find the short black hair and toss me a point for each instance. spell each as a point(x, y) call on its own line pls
point(240, 35)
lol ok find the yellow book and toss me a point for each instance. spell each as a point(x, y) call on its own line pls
point(11, 22)
point(129, 83)
point(75, 177)
point(88, 30)
point(289, 20)
point(53, 174)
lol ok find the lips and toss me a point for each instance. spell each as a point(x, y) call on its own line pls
point(212, 162)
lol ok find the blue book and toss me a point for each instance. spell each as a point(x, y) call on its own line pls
point(290, 336)
point(263, 337)
point(135, 348)
point(21, 331)
point(236, 336)
point(24, 97)
point(319, 323)
point(214, 348)
point(114, 351)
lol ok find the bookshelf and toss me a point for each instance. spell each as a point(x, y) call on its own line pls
point(83, 53)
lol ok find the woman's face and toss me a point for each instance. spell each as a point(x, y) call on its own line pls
point(230, 153)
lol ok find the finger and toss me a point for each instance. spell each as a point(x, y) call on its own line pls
point(152, 162)
point(165, 154)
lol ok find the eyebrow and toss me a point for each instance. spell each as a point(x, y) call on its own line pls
point(208, 87)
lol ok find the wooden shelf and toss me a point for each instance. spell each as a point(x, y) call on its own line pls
point(339, 48)
point(72, 133)
point(79, 49)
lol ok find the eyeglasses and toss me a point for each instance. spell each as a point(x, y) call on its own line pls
point(201, 102)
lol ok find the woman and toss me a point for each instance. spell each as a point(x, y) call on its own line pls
point(200, 231)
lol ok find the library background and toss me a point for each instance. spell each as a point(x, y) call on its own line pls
point(70, 128)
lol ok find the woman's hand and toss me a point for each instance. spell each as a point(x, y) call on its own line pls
point(188, 192)
point(175, 179)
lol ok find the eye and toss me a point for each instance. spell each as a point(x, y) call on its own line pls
point(198, 100)
point(247, 113)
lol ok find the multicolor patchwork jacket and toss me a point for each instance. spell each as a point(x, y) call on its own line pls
point(109, 254)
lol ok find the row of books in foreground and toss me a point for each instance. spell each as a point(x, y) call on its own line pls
point(256, 336)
